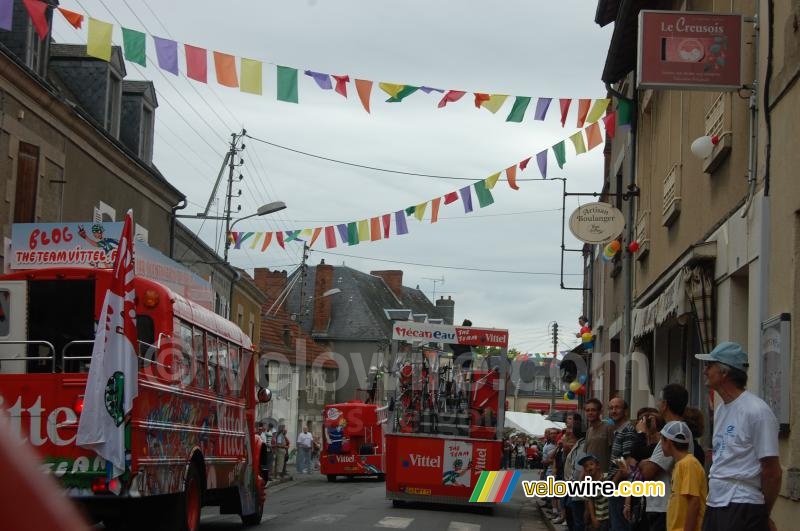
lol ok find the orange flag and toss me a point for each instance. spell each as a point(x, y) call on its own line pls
point(364, 88)
point(225, 65)
point(317, 231)
point(75, 19)
point(583, 110)
point(593, 136)
point(375, 229)
point(435, 209)
point(511, 175)
point(267, 239)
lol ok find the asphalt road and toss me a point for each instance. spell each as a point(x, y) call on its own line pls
point(311, 503)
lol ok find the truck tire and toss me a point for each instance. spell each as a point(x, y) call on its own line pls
point(331, 478)
point(187, 508)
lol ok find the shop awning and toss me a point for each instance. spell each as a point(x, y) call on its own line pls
point(672, 301)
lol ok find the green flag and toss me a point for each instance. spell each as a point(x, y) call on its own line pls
point(352, 233)
point(560, 153)
point(410, 210)
point(287, 87)
point(484, 195)
point(405, 91)
point(519, 108)
point(133, 44)
point(624, 108)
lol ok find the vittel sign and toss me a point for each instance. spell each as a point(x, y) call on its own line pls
point(16, 416)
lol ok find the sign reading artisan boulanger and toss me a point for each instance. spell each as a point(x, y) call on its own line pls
point(596, 223)
point(461, 335)
point(687, 50)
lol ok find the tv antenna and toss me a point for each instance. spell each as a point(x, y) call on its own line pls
point(435, 281)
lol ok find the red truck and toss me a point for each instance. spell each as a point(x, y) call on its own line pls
point(353, 442)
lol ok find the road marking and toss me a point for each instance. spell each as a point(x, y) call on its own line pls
point(394, 522)
point(324, 518)
point(463, 526)
point(268, 517)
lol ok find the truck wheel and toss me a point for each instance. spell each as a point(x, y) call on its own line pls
point(187, 509)
point(398, 503)
point(331, 478)
point(381, 477)
point(255, 518)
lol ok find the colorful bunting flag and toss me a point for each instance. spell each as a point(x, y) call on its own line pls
point(480, 99)
point(392, 89)
point(38, 13)
point(524, 164)
point(330, 237)
point(466, 197)
point(352, 233)
point(279, 237)
point(364, 89)
point(287, 84)
point(133, 45)
point(386, 221)
point(251, 76)
point(435, 203)
point(542, 104)
point(541, 161)
point(593, 136)
point(323, 80)
point(495, 102)
point(577, 141)
point(225, 67)
point(511, 177)
point(267, 240)
point(342, 227)
point(374, 229)
point(597, 110)
point(452, 197)
point(407, 90)
point(419, 211)
point(75, 19)
point(492, 180)
point(583, 110)
point(196, 63)
point(363, 230)
point(565, 103)
point(410, 210)
point(610, 123)
point(624, 111)
point(400, 223)
point(166, 54)
point(292, 236)
point(341, 84)
point(99, 39)
point(482, 192)
point(560, 151)
point(428, 90)
point(518, 110)
point(7, 14)
point(451, 96)
point(257, 239)
point(314, 237)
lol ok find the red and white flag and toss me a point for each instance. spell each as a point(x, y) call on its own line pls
point(112, 383)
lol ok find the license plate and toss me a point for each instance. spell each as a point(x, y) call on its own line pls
point(414, 490)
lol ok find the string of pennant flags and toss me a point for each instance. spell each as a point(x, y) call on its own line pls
point(380, 227)
point(250, 75)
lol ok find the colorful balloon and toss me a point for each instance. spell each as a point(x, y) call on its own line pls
point(566, 396)
point(582, 378)
point(570, 395)
point(574, 386)
point(581, 390)
point(633, 246)
point(614, 245)
point(585, 329)
point(586, 337)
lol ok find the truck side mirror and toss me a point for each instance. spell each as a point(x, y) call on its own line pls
point(263, 395)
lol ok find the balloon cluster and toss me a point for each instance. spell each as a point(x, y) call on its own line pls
point(576, 387)
point(611, 250)
point(587, 337)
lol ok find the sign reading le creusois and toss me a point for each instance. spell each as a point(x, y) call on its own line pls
point(596, 223)
point(460, 335)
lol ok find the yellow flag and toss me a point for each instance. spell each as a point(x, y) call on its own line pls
point(251, 76)
point(391, 88)
point(494, 102)
point(256, 239)
point(577, 140)
point(306, 233)
point(363, 230)
point(99, 41)
point(492, 180)
point(419, 211)
point(597, 110)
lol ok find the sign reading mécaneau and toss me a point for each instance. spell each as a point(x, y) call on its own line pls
point(460, 335)
point(688, 50)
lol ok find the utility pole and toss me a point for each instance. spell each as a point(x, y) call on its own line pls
point(552, 383)
point(302, 307)
point(228, 215)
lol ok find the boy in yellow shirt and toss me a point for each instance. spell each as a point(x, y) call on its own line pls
point(687, 502)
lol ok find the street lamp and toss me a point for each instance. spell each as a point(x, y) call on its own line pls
point(263, 210)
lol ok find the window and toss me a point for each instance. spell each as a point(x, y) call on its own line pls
point(234, 361)
point(211, 347)
point(27, 181)
point(182, 337)
point(146, 135)
point(145, 328)
point(5, 312)
point(113, 104)
point(224, 379)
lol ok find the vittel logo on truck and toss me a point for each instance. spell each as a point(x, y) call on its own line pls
point(345, 459)
point(56, 419)
point(425, 461)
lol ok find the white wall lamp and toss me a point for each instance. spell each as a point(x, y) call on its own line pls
point(703, 147)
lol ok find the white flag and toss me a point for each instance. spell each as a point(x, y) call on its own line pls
point(112, 386)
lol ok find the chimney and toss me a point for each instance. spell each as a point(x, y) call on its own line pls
point(393, 278)
point(323, 281)
point(447, 309)
point(271, 284)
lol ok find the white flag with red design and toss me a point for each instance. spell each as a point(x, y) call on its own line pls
point(112, 383)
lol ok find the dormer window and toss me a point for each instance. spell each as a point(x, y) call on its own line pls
point(113, 103)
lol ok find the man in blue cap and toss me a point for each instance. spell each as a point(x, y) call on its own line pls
point(745, 475)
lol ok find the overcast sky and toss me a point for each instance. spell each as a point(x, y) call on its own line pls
point(550, 49)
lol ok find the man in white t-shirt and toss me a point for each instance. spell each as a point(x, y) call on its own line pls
point(745, 475)
point(304, 443)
